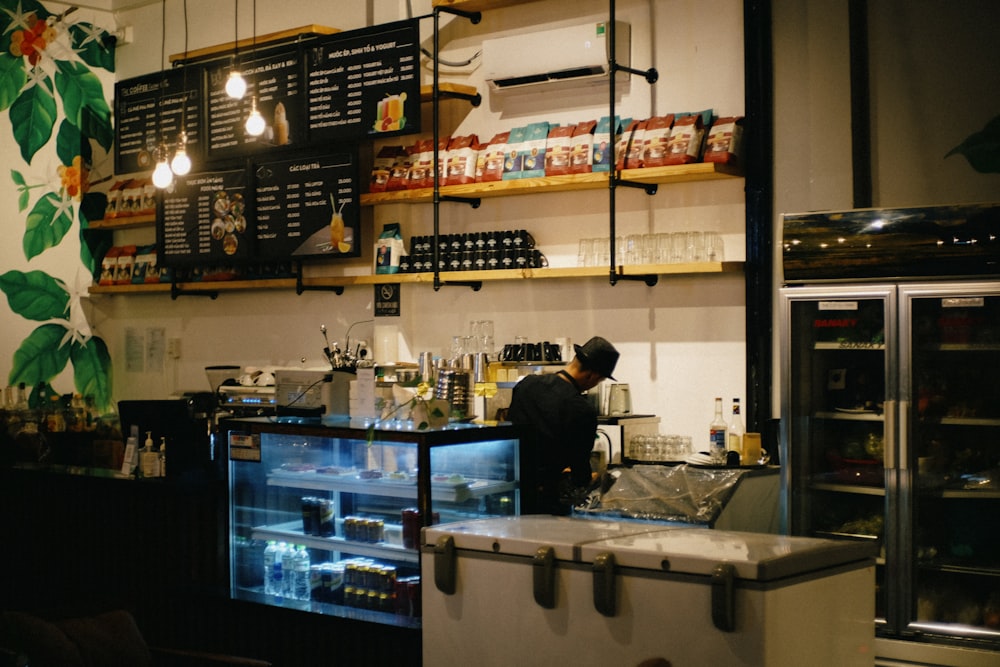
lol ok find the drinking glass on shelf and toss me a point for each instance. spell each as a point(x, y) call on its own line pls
point(714, 247)
point(585, 255)
point(695, 249)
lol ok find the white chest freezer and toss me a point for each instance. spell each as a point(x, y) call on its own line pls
point(543, 590)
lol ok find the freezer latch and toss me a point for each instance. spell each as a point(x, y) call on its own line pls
point(604, 584)
point(543, 574)
point(723, 592)
point(445, 564)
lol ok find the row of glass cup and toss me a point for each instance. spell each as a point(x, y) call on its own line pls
point(659, 248)
point(659, 447)
point(480, 339)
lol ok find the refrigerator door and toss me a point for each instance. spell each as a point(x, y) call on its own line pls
point(838, 406)
point(950, 461)
point(620, 599)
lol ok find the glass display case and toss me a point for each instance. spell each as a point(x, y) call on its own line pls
point(325, 517)
point(891, 434)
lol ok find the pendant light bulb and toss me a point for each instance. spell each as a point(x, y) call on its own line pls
point(181, 164)
point(162, 176)
point(255, 124)
point(236, 85)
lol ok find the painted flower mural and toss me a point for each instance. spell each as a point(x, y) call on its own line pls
point(49, 88)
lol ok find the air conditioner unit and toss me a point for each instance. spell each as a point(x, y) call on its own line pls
point(574, 54)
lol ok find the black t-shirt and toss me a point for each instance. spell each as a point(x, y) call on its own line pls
point(561, 427)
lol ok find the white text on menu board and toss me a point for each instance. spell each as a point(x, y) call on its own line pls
point(175, 211)
point(325, 82)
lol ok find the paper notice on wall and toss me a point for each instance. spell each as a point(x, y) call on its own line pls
point(135, 350)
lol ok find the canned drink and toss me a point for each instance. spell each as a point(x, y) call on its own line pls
point(327, 524)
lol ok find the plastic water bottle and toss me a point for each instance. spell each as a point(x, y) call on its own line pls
point(269, 556)
point(288, 572)
point(301, 578)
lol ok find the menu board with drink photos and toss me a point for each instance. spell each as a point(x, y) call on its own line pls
point(307, 207)
point(364, 83)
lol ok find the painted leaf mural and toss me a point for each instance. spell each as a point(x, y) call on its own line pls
point(56, 103)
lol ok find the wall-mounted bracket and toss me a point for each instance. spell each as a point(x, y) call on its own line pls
point(650, 188)
point(476, 285)
point(649, 278)
point(176, 291)
point(474, 202)
point(300, 287)
point(651, 75)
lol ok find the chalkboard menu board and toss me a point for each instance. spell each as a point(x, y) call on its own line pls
point(204, 220)
point(274, 77)
point(364, 83)
point(149, 109)
point(307, 207)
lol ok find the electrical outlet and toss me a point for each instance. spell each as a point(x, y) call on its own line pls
point(174, 348)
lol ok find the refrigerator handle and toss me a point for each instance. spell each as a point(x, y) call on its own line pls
point(895, 435)
point(544, 577)
point(604, 584)
point(445, 565)
point(723, 593)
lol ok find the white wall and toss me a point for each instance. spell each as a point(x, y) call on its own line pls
point(682, 341)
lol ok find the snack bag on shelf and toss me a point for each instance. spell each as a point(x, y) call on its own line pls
point(605, 138)
point(109, 266)
point(494, 154)
point(145, 258)
point(685, 140)
point(420, 173)
point(581, 150)
point(388, 249)
point(125, 266)
point(657, 136)
point(399, 174)
point(557, 150)
point(533, 163)
point(628, 152)
point(514, 159)
point(382, 168)
point(462, 157)
point(442, 162)
point(725, 140)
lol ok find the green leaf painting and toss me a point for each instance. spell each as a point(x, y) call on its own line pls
point(48, 223)
point(982, 149)
point(48, 77)
point(35, 295)
point(92, 370)
point(42, 355)
point(33, 115)
point(12, 79)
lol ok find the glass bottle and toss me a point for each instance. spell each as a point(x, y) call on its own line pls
point(717, 435)
point(736, 429)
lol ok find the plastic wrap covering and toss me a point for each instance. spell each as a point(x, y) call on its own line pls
point(662, 493)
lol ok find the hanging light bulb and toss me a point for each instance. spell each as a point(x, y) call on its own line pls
point(255, 124)
point(162, 176)
point(181, 164)
point(236, 85)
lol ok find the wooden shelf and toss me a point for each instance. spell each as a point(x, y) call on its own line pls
point(549, 273)
point(427, 92)
point(698, 171)
point(478, 5)
point(250, 42)
point(124, 222)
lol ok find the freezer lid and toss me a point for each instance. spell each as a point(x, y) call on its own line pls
point(523, 535)
point(754, 556)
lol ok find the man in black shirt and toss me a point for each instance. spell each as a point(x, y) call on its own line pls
point(559, 427)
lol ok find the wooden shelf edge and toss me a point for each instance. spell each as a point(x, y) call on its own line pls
point(547, 273)
point(479, 5)
point(696, 171)
point(427, 92)
point(123, 223)
point(260, 41)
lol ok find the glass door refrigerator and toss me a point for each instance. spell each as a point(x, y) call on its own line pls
point(891, 434)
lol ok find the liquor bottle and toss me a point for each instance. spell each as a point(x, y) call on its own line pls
point(736, 429)
point(717, 435)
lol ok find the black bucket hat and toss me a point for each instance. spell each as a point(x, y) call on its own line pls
point(597, 354)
